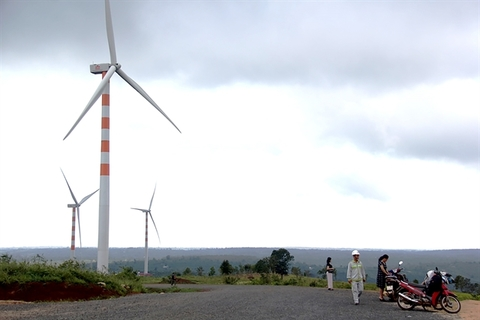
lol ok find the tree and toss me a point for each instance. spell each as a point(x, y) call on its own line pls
point(296, 271)
point(323, 273)
point(200, 271)
point(212, 272)
point(465, 285)
point(226, 268)
point(280, 260)
point(262, 266)
point(187, 271)
point(307, 272)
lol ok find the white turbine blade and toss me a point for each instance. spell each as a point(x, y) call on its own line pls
point(144, 94)
point(143, 210)
point(158, 235)
point(111, 40)
point(95, 96)
point(149, 208)
point(86, 198)
point(79, 230)
point(71, 192)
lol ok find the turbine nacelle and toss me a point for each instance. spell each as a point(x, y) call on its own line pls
point(99, 68)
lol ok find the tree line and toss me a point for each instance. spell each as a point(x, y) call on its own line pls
point(278, 262)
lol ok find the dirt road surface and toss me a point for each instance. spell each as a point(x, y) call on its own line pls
point(229, 302)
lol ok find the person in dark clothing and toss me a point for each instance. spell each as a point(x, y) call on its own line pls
point(381, 274)
point(435, 284)
point(329, 271)
point(173, 279)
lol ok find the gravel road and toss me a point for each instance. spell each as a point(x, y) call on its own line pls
point(225, 302)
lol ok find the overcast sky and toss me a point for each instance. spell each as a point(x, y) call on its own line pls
point(352, 124)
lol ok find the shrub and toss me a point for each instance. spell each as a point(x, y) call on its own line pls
point(291, 282)
point(314, 283)
point(230, 280)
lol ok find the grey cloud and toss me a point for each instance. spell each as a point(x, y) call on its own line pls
point(460, 142)
point(410, 136)
point(374, 45)
point(322, 43)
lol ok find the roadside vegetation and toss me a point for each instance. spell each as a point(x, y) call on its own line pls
point(272, 270)
point(70, 271)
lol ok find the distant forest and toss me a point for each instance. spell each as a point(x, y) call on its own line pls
point(164, 261)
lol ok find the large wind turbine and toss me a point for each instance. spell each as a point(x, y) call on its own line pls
point(75, 207)
point(148, 212)
point(107, 70)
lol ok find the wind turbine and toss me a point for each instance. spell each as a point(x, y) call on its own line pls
point(148, 212)
point(75, 207)
point(107, 70)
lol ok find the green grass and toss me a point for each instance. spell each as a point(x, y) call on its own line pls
point(466, 296)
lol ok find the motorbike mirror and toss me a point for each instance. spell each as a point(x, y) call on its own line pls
point(400, 263)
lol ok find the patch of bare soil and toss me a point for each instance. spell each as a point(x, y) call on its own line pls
point(53, 291)
point(57, 291)
point(470, 310)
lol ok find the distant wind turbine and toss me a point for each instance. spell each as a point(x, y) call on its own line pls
point(148, 212)
point(107, 70)
point(75, 207)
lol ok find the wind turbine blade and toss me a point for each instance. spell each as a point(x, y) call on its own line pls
point(111, 40)
point(149, 208)
point(144, 94)
point(158, 235)
point(95, 96)
point(86, 198)
point(143, 210)
point(71, 192)
point(79, 230)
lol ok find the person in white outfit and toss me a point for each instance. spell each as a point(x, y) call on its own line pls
point(329, 271)
point(356, 276)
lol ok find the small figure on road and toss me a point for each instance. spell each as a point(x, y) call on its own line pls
point(356, 276)
point(381, 274)
point(329, 270)
point(173, 279)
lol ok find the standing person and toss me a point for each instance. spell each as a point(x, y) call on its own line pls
point(329, 271)
point(356, 276)
point(381, 274)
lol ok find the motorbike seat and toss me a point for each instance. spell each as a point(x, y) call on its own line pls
point(417, 285)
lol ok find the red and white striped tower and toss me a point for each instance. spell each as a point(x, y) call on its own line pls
point(75, 210)
point(145, 266)
point(104, 207)
point(72, 242)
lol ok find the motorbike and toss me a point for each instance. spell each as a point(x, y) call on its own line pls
point(412, 294)
point(392, 280)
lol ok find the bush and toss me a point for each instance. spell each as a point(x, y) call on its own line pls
point(265, 278)
point(127, 273)
point(291, 282)
point(314, 283)
point(230, 280)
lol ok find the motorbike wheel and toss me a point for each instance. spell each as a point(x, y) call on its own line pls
point(404, 303)
point(450, 304)
point(438, 306)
